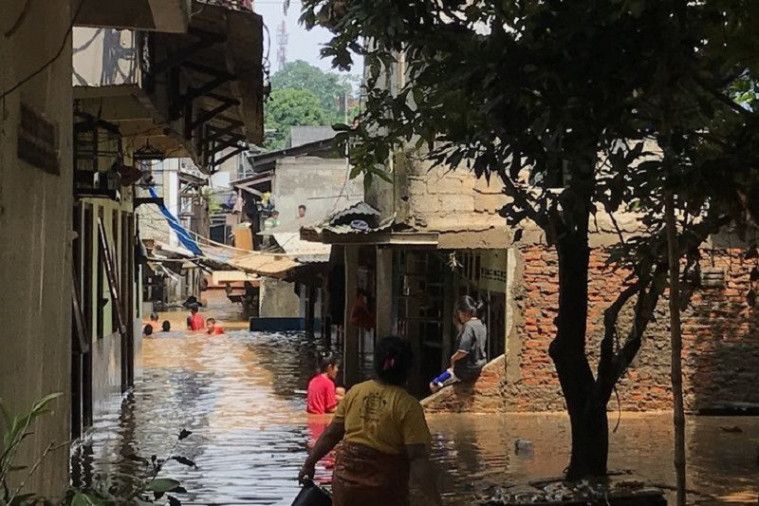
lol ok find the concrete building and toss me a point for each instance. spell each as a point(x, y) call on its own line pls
point(37, 156)
point(312, 175)
point(65, 246)
point(432, 235)
point(413, 247)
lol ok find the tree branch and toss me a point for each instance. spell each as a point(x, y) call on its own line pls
point(612, 366)
point(717, 94)
point(520, 196)
point(616, 227)
point(644, 312)
point(611, 314)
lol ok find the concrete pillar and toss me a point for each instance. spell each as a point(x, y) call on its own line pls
point(36, 204)
point(351, 369)
point(384, 295)
point(513, 346)
point(310, 301)
point(449, 300)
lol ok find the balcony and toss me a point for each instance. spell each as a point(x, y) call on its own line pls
point(155, 15)
point(197, 94)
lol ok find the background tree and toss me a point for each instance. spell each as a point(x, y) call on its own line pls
point(330, 87)
point(292, 100)
point(578, 108)
point(289, 107)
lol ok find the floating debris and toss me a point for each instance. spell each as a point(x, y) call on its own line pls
point(579, 493)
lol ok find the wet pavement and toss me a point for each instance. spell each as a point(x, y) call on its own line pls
point(242, 395)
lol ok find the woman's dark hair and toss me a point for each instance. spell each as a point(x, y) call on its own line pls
point(468, 305)
point(154, 316)
point(147, 330)
point(166, 326)
point(393, 359)
point(326, 362)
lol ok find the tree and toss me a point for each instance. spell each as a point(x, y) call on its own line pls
point(560, 100)
point(331, 88)
point(290, 107)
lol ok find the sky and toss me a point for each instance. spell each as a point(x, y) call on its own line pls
point(302, 44)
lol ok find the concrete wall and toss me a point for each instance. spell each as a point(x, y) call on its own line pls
point(278, 299)
point(437, 199)
point(322, 184)
point(93, 50)
point(441, 199)
point(153, 224)
point(35, 220)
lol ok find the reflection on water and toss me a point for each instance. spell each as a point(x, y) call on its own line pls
point(478, 451)
point(242, 396)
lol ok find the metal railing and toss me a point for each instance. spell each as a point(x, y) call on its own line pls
point(239, 5)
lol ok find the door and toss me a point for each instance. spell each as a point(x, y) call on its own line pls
point(81, 305)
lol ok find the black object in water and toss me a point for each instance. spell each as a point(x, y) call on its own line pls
point(312, 495)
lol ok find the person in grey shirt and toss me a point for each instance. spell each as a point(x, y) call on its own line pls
point(470, 355)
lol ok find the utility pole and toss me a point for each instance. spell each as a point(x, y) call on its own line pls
point(676, 373)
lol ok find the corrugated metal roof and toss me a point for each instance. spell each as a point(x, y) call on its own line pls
point(300, 135)
point(354, 228)
point(299, 249)
point(356, 210)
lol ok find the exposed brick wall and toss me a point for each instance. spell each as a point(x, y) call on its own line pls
point(721, 339)
point(720, 334)
point(485, 396)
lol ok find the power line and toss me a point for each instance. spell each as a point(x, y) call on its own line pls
point(51, 60)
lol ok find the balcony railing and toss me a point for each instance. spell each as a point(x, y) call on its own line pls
point(239, 5)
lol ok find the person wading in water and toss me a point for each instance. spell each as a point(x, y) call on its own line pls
point(384, 435)
point(195, 321)
point(323, 395)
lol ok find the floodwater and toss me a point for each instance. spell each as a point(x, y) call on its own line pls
point(241, 395)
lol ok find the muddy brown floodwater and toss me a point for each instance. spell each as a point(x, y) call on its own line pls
point(242, 396)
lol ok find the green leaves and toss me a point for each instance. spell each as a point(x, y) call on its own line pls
point(162, 485)
point(85, 499)
point(305, 95)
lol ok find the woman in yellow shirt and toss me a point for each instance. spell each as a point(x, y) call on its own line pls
point(384, 435)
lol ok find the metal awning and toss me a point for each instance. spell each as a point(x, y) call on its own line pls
point(267, 161)
point(214, 77)
point(264, 264)
point(220, 277)
point(300, 250)
point(249, 183)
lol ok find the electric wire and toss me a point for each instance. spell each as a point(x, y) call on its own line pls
point(50, 61)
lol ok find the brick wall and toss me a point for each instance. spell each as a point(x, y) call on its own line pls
point(720, 334)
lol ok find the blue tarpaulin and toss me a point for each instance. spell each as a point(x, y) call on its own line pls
point(184, 236)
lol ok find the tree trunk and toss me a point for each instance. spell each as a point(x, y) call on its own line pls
point(590, 437)
point(676, 373)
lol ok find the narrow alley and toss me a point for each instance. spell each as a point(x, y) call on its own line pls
point(511, 248)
